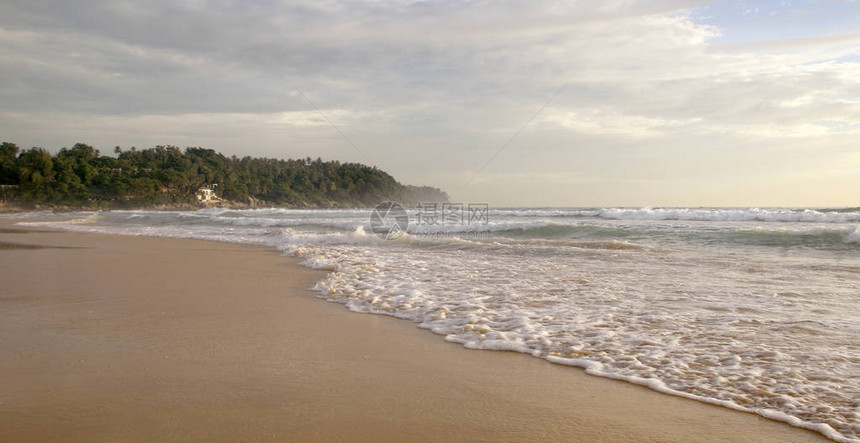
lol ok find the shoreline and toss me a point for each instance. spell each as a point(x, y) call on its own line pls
point(142, 338)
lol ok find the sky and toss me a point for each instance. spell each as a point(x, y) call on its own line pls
point(510, 103)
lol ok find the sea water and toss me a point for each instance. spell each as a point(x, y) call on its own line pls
point(752, 309)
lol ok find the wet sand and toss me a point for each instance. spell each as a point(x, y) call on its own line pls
point(109, 338)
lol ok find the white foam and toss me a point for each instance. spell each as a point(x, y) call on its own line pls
point(853, 236)
point(607, 313)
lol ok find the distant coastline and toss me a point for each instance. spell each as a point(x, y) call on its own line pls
point(167, 177)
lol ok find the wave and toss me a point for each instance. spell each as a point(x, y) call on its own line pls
point(754, 214)
point(766, 235)
point(813, 238)
point(853, 237)
point(846, 215)
point(583, 234)
point(275, 218)
point(499, 302)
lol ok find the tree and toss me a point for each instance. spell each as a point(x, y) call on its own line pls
point(35, 171)
point(8, 164)
point(80, 176)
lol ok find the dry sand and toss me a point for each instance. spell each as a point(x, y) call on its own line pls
point(107, 338)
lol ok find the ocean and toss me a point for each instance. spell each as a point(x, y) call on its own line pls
point(755, 309)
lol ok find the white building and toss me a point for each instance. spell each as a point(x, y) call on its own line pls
point(206, 194)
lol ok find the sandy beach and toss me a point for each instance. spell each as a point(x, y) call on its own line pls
point(109, 338)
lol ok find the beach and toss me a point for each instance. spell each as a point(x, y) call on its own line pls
point(118, 338)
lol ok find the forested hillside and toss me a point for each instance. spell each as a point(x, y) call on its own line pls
point(168, 176)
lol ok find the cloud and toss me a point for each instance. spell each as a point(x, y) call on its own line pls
point(428, 90)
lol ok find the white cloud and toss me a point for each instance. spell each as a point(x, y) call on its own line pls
point(428, 87)
point(611, 121)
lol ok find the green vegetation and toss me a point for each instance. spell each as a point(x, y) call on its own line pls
point(79, 177)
